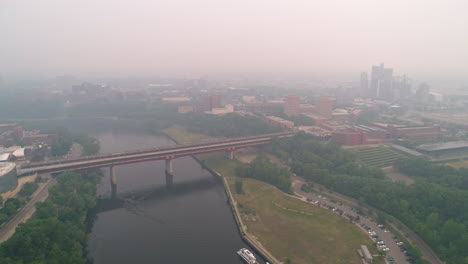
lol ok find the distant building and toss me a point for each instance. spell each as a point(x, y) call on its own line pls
point(411, 132)
point(179, 99)
point(183, 109)
point(8, 179)
point(264, 108)
point(324, 107)
point(443, 148)
point(422, 94)
point(364, 85)
point(381, 82)
point(48, 139)
point(248, 99)
point(401, 87)
point(416, 133)
point(291, 105)
point(307, 108)
point(276, 121)
point(317, 120)
point(10, 134)
point(316, 131)
point(349, 137)
point(222, 110)
point(211, 101)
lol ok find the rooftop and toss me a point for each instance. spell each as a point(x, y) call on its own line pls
point(6, 167)
point(443, 146)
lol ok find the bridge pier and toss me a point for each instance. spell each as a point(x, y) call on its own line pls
point(229, 154)
point(113, 181)
point(169, 172)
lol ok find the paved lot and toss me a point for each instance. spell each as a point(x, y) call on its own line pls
point(387, 237)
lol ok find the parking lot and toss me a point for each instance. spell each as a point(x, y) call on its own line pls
point(385, 239)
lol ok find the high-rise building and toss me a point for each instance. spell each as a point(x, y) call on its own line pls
point(291, 105)
point(211, 101)
point(401, 87)
point(422, 94)
point(364, 87)
point(381, 82)
point(324, 107)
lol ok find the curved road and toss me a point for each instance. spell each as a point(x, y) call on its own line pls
point(28, 210)
point(387, 237)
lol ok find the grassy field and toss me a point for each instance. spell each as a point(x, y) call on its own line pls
point(182, 136)
point(377, 156)
point(295, 230)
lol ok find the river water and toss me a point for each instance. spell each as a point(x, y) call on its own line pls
point(188, 222)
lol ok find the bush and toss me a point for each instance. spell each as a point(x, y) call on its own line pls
point(28, 189)
point(239, 187)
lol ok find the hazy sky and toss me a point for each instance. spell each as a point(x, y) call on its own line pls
point(146, 37)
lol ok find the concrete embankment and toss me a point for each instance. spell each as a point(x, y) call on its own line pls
point(243, 229)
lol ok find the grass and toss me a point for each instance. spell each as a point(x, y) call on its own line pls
point(302, 232)
point(182, 136)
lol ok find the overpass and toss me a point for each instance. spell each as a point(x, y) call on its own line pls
point(143, 155)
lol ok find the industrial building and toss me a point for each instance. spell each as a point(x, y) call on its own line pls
point(444, 148)
point(8, 179)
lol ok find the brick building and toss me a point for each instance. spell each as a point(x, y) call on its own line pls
point(350, 137)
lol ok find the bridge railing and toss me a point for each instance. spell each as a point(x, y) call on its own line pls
point(147, 150)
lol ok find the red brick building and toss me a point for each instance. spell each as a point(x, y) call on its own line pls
point(292, 105)
point(350, 137)
point(211, 101)
point(324, 107)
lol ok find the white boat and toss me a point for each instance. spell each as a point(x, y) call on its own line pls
point(247, 256)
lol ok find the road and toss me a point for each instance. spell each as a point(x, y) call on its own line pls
point(387, 237)
point(28, 210)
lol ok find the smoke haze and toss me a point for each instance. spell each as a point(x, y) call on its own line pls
point(138, 37)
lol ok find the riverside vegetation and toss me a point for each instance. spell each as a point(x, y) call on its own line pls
point(57, 232)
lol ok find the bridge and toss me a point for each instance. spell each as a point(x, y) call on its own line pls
point(143, 155)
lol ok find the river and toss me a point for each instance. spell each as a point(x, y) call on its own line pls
point(188, 222)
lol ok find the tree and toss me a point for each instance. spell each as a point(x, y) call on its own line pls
point(238, 185)
point(28, 189)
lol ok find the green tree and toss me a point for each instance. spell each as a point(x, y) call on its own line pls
point(239, 185)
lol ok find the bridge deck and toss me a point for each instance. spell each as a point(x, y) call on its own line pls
point(169, 152)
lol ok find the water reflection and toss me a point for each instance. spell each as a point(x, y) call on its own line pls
point(132, 199)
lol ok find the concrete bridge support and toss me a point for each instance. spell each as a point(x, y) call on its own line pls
point(229, 154)
point(169, 172)
point(113, 181)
